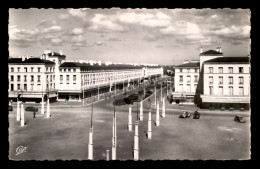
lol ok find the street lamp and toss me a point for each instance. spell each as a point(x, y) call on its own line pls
point(48, 100)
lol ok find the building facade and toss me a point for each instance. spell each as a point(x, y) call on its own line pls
point(186, 81)
point(226, 82)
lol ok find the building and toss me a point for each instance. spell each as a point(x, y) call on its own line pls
point(32, 78)
point(226, 83)
point(186, 81)
point(62, 79)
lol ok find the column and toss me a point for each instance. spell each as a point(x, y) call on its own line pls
point(90, 144)
point(22, 115)
point(163, 108)
point(157, 116)
point(48, 108)
point(149, 133)
point(42, 111)
point(18, 115)
point(130, 118)
point(141, 110)
point(161, 91)
point(136, 142)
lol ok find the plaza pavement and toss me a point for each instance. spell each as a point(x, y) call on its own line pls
point(65, 135)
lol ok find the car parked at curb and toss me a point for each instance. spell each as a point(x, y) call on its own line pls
point(239, 118)
point(31, 108)
point(185, 114)
point(196, 115)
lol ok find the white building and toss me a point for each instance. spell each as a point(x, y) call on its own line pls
point(32, 78)
point(186, 81)
point(226, 81)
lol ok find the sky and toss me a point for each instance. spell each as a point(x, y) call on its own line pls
point(154, 36)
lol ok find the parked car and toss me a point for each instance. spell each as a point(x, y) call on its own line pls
point(239, 118)
point(31, 108)
point(119, 102)
point(196, 115)
point(185, 114)
point(10, 108)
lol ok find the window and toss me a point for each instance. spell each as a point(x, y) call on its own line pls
point(53, 85)
point(18, 87)
point(195, 79)
point(220, 69)
point(32, 79)
point(51, 78)
point(31, 69)
point(46, 69)
point(74, 79)
point(50, 69)
point(69, 70)
point(230, 80)
point(196, 70)
point(188, 70)
point(180, 70)
point(25, 87)
point(241, 80)
point(188, 88)
point(230, 90)
point(18, 78)
point(195, 86)
point(211, 80)
point(12, 69)
point(31, 87)
point(12, 78)
point(61, 79)
point(210, 69)
point(18, 69)
point(60, 70)
point(39, 69)
point(25, 78)
point(211, 90)
point(188, 79)
point(181, 79)
point(220, 80)
point(230, 70)
point(25, 69)
point(12, 87)
point(74, 70)
point(39, 78)
point(67, 79)
point(220, 90)
point(241, 70)
point(241, 91)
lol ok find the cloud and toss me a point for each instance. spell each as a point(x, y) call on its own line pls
point(77, 13)
point(77, 31)
point(234, 30)
point(101, 22)
point(63, 16)
point(145, 19)
point(114, 39)
point(182, 28)
point(151, 37)
point(56, 42)
point(99, 43)
point(54, 28)
point(159, 46)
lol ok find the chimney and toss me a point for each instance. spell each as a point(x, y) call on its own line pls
point(201, 50)
point(52, 53)
point(27, 57)
point(60, 52)
point(217, 49)
point(220, 50)
point(23, 58)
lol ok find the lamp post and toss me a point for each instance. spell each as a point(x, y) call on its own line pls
point(83, 86)
point(114, 139)
point(48, 101)
point(149, 132)
point(136, 139)
point(90, 142)
point(42, 110)
point(18, 115)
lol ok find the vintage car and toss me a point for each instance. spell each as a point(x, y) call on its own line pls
point(239, 118)
point(185, 114)
point(196, 115)
point(31, 108)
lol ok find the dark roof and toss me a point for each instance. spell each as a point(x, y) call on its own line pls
point(102, 66)
point(196, 64)
point(56, 54)
point(30, 60)
point(229, 60)
point(211, 52)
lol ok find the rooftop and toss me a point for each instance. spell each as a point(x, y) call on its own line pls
point(191, 64)
point(211, 52)
point(231, 60)
point(30, 60)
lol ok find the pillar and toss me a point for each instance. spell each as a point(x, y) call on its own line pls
point(90, 144)
point(107, 155)
point(22, 115)
point(157, 116)
point(149, 133)
point(18, 115)
point(48, 108)
point(141, 110)
point(161, 91)
point(163, 107)
point(42, 110)
point(136, 142)
point(130, 118)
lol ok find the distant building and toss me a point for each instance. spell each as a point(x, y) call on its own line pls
point(186, 81)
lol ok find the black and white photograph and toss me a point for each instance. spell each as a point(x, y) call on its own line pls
point(129, 84)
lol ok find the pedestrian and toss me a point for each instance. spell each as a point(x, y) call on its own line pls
point(34, 113)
